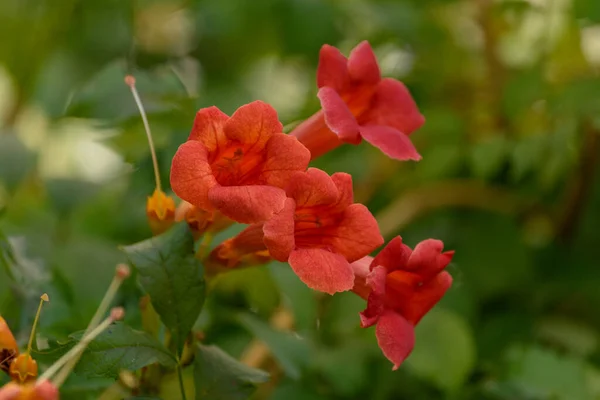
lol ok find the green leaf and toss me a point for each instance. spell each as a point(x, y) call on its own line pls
point(292, 352)
point(218, 376)
point(119, 347)
point(173, 278)
point(15, 160)
point(546, 374)
point(444, 352)
point(488, 156)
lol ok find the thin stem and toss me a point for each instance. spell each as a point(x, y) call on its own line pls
point(180, 378)
point(74, 352)
point(43, 299)
point(130, 81)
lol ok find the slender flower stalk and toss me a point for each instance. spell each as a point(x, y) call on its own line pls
point(160, 208)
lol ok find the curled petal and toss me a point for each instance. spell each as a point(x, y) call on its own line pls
point(393, 106)
point(362, 65)
point(357, 233)
point(208, 128)
point(393, 256)
point(247, 204)
point(332, 70)
point(312, 188)
point(395, 336)
point(390, 141)
point(191, 174)
point(279, 232)
point(376, 302)
point(253, 123)
point(426, 297)
point(427, 258)
point(285, 156)
point(338, 116)
point(322, 270)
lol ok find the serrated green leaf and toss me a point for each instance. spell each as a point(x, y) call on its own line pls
point(292, 352)
point(172, 276)
point(120, 347)
point(218, 376)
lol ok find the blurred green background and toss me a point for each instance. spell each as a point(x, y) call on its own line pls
point(509, 178)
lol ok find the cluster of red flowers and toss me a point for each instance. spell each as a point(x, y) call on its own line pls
point(243, 168)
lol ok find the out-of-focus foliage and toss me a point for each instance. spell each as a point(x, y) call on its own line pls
point(510, 179)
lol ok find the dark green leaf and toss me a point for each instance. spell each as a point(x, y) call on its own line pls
point(173, 278)
point(119, 348)
point(218, 376)
point(292, 352)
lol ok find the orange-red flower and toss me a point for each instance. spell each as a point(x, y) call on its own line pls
point(237, 164)
point(401, 285)
point(358, 104)
point(246, 249)
point(8, 346)
point(44, 390)
point(320, 231)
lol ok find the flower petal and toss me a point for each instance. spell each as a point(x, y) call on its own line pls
point(357, 233)
point(375, 304)
point(391, 142)
point(247, 204)
point(322, 270)
point(332, 70)
point(285, 156)
point(253, 123)
point(395, 336)
point(208, 128)
point(343, 183)
point(393, 256)
point(393, 106)
point(427, 258)
point(191, 175)
point(279, 232)
point(362, 65)
point(426, 297)
point(312, 188)
point(338, 116)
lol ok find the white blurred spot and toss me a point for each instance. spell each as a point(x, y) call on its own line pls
point(283, 84)
point(394, 61)
point(590, 44)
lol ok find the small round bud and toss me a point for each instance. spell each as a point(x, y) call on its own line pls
point(117, 313)
point(45, 297)
point(123, 271)
point(130, 80)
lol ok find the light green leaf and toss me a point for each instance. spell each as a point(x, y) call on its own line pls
point(218, 376)
point(172, 276)
point(546, 374)
point(444, 352)
point(15, 160)
point(291, 351)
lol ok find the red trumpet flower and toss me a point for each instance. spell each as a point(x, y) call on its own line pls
point(237, 165)
point(401, 285)
point(358, 104)
point(320, 231)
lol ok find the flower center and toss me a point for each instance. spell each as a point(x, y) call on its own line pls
point(238, 164)
point(315, 226)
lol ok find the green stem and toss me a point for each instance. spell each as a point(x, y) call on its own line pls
point(180, 377)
